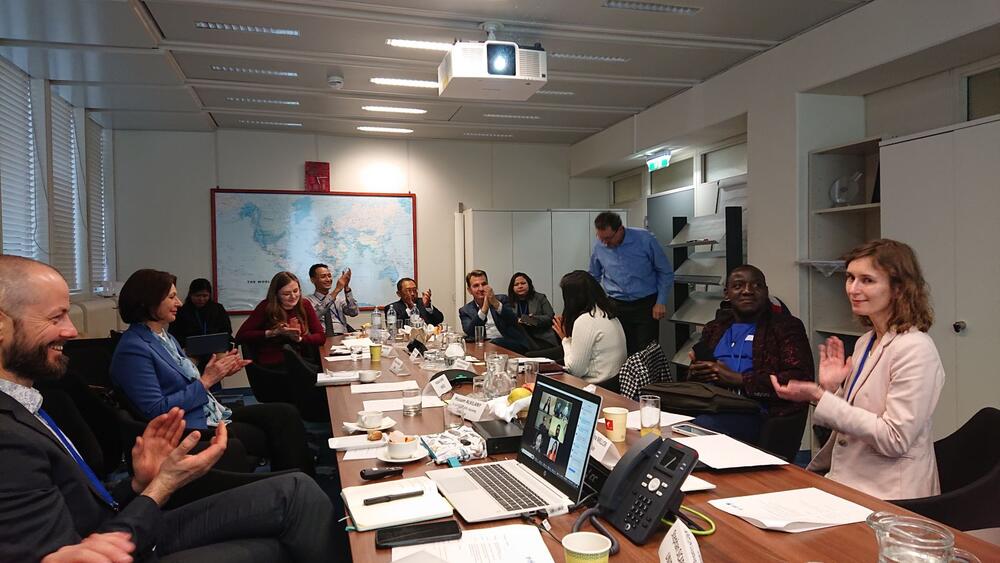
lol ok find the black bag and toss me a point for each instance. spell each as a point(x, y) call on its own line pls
point(692, 398)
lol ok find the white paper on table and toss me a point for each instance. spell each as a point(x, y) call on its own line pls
point(365, 356)
point(679, 545)
point(356, 342)
point(383, 387)
point(633, 422)
point(604, 451)
point(336, 377)
point(368, 453)
point(386, 405)
point(516, 542)
point(797, 510)
point(719, 451)
point(694, 484)
point(539, 360)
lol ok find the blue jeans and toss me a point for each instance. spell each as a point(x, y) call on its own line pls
point(742, 426)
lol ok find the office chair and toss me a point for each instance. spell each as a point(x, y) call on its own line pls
point(301, 380)
point(268, 385)
point(968, 463)
point(782, 435)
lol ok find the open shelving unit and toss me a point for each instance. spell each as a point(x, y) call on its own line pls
point(835, 229)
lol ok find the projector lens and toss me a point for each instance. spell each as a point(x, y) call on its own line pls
point(501, 59)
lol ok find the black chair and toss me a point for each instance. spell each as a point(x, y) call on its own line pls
point(969, 469)
point(301, 381)
point(782, 435)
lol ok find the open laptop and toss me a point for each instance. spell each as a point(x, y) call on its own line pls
point(550, 465)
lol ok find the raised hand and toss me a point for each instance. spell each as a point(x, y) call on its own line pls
point(557, 326)
point(344, 280)
point(109, 547)
point(427, 299)
point(160, 437)
point(180, 468)
point(222, 366)
point(833, 366)
point(797, 390)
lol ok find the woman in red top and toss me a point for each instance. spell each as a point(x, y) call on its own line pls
point(283, 317)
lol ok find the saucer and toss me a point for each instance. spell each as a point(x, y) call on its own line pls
point(421, 454)
point(387, 423)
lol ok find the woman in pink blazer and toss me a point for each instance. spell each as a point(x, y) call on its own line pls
point(879, 401)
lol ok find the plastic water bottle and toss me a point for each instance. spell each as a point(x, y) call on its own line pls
point(390, 321)
point(376, 330)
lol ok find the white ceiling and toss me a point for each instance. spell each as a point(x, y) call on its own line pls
point(144, 64)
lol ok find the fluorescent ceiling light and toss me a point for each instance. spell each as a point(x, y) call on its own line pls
point(510, 116)
point(384, 129)
point(270, 123)
point(651, 7)
point(387, 109)
point(413, 44)
point(245, 100)
point(258, 71)
point(592, 58)
point(405, 82)
point(490, 135)
point(219, 26)
point(554, 93)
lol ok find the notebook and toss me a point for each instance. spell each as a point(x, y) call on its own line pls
point(428, 506)
point(550, 466)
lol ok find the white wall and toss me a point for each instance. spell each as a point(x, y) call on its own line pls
point(163, 181)
point(765, 89)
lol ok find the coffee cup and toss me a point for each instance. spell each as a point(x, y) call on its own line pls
point(586, 547)
point(370, 419)
point(614, 423)
point(404, 449)
point(368, 375)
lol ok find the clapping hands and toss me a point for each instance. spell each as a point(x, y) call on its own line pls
point(222, 366)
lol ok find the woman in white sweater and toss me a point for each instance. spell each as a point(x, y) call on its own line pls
point(592, 338)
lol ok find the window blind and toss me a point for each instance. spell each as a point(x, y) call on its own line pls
point(97, 235)
point(17, 164)
point(66, 236)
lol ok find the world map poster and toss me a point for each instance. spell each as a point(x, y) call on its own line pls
point(257, 234)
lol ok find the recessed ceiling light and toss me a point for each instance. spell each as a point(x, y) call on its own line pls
point(592, 58)
point(219, 26)
point(245, 100)
point(413, 44)
point(490, 135)
point(387, 109)
point(384, 129)
point(554, 93)
point(510, 116)
point(259, 71)
point(270, 123)
point(651, 7)
point(405, 82)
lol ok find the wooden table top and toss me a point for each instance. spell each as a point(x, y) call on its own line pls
point(735, 539)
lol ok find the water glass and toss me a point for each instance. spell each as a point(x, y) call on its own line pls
point(480, 335)
point(530, 373)
point(452, 418)
point(398, 330)
point(479, 387)
point(357, 352)
point(649, 415)
point(412, 402)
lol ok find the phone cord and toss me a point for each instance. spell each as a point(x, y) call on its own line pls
point(592, 513)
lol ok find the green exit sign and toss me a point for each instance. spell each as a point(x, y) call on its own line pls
point(658, 162)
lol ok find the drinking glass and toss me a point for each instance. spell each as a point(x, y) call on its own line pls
point(480, 335)
point(398, 330)
point(530, 373)
point(649, 415)
point(412, 402)
point(452, 418)
point(357, 352)
point(479, 387)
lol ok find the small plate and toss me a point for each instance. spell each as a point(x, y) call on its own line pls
point(387, 423)
point(421, 454)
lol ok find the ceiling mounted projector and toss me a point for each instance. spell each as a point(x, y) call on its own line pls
point(491, 70)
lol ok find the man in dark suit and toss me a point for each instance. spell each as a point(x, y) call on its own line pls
point(409, 305)
point(52, 506)
point(490, 310)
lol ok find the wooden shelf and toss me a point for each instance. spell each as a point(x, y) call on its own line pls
point(845, 330)
point(862, 207)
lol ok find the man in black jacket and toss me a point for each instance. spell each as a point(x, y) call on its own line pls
point(52, 506)
point(408, 304)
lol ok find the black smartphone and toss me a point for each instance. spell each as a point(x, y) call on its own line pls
point(413, 534)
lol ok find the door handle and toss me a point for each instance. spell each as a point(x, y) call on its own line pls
point(958, 326)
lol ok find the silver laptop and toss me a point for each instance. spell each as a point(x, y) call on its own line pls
point(550, 466)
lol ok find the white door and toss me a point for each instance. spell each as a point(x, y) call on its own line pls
point(533, 249)
point(918, 208)
point(572, 239)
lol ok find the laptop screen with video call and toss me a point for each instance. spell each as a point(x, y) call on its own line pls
point(557, 434)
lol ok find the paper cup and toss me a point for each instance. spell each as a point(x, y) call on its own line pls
point(615, 419)
point(586, 547)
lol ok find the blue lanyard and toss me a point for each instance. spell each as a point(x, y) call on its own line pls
point(103, 492)
point(861, 366)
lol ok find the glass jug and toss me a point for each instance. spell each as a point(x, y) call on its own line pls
point(906, 539)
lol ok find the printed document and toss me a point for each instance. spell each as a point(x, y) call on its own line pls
point(798, 510)
point(517, 542)
point(719, 451)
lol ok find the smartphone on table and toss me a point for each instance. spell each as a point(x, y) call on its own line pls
point(413, 534)
point(688, 429)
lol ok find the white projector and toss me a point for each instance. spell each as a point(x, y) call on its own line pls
point(492, 70)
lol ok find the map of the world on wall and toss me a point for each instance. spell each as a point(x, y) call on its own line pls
point(260, 233)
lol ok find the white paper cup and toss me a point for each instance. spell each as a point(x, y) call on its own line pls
point(586, 547)
point(615, 419)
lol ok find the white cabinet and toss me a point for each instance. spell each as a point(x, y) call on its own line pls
point(941, 195)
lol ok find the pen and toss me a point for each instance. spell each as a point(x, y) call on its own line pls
point(389, 498)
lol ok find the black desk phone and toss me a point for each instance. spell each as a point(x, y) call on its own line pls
point(645, 486)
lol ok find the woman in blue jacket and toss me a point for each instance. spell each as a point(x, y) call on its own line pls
point(151, 369)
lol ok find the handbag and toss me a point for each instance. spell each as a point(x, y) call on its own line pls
point(693, 398)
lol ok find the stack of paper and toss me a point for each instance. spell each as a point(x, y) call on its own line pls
point(428, 506)
point(719, 451)
point(386, 405)
point(366, 342)
point(666, 419)
point(798, 510)
point(365, 356)
point(517, 542)
point(336, 377)
point(383, 387)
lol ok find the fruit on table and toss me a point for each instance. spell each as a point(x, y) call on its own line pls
point(517, 394)
point(529, 387)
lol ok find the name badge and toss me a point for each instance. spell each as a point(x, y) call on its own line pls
point(407, 330)
point(472, 409)
point(397, 366)
point(599, 446)
point(414, 355)
point(462, 364)
point(441, 385)
point(749, 338)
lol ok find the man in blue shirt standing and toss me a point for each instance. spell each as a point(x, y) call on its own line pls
point(635, 273)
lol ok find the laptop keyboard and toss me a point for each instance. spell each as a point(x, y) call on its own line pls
point(504, 487)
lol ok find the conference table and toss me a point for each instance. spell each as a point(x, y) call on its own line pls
point(734, 540)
